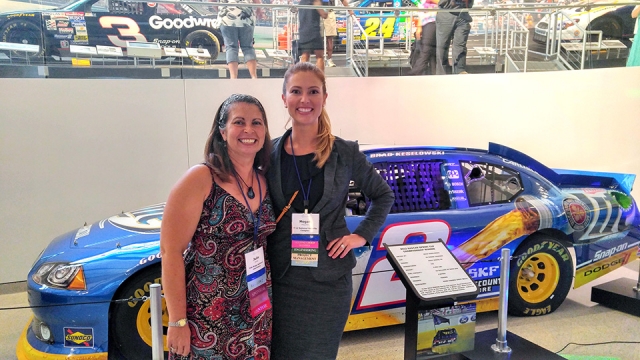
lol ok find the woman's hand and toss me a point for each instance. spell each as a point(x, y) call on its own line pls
point(342, 245)
point(179, 340)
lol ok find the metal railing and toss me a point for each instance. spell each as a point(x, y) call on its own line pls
point(516, 40)
point(573, 54)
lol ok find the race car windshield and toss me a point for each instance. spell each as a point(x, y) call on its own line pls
point(71, 5)
point(80, 4)
point(585, 5)
point(204, 9)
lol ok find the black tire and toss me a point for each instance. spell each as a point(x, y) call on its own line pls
point(204, 39)
point(23, 32)
point(540, 277)
point(611, 28)
point(130, 322)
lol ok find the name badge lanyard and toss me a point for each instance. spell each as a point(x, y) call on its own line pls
point(305, 194)
point(259, 301)
point(305, 234)
point(256, 221)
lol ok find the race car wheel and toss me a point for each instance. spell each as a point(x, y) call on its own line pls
point(540, 277)
point(130, 322)
point(23, 32)
point(203, 39)
point(611, 28)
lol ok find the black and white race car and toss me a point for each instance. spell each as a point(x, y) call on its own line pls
point(113, 23)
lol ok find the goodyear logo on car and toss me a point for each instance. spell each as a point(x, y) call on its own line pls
point(78, 337)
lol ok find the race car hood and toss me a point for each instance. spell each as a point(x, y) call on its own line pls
point(135, 229)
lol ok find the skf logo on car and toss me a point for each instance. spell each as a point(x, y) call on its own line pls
point(578, 216)
point(483, 271)
point(146, 221)
point(78, 337)
point(156, 22)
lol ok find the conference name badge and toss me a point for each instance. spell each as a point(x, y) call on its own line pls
point(257, 282)
point(305, 239)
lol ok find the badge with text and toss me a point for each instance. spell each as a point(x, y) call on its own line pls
point(305, 237)
point(257, 282)
point(78, 337)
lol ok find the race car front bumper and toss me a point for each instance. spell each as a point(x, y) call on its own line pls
point(25, 351)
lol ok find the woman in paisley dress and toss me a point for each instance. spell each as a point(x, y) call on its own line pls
point(217, 214)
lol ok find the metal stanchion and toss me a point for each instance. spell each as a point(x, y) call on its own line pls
point(157, 344)
point(637, 288)
point(501, 341)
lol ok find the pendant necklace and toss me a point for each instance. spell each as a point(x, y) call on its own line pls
point(250, 193)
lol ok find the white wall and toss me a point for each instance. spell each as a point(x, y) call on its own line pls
point(81, 150)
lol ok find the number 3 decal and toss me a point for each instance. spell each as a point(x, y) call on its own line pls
point(381, 287)
point(130, 29)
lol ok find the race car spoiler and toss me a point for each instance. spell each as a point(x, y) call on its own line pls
point(568, 178)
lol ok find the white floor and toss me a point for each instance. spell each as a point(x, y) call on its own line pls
point(578, 320)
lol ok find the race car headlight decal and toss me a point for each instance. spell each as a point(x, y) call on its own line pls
point(61, 275)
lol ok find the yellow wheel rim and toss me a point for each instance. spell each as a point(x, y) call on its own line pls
point(538, 278)
point(143, 322)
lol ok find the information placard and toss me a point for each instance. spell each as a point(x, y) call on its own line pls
point(431, 271)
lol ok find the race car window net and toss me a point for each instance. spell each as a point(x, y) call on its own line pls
point(417, 185)
point(488, 183)
point(126, 7)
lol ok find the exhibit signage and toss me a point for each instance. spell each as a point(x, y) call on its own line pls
point(432, 271)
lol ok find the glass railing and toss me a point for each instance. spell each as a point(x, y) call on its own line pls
point(182, 39)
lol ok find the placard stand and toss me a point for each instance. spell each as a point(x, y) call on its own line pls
point(619, 294)
point(433, 278)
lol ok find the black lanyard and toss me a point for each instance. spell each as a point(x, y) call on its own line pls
point(305, 194)
point(256, 221)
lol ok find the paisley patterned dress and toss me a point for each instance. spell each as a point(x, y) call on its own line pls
point(218, 309)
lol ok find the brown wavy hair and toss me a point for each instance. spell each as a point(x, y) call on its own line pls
point(325, 137)
point(215, 149)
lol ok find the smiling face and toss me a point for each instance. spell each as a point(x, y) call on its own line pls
point(304, 97)
point(245, 130)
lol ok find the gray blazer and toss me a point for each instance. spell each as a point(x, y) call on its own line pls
point(345, 163)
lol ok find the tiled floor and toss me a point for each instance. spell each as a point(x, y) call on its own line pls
point(578, 320)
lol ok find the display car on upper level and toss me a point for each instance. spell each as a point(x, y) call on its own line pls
point(112, 23)
point(86, 287)
point(379, 19)
point(615, 22)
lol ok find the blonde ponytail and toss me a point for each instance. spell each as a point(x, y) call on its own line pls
point(325, 139)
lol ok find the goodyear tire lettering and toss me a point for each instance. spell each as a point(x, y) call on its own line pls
point(540, 278)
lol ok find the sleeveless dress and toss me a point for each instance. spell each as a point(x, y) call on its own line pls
point(218, 310)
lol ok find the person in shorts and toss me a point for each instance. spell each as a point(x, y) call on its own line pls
point(331, 29)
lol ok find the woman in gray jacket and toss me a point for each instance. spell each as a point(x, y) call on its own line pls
point(311, 250)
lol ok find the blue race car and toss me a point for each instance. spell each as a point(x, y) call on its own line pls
point(87, 288)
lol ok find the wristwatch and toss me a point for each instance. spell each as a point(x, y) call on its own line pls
point(179, 323)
